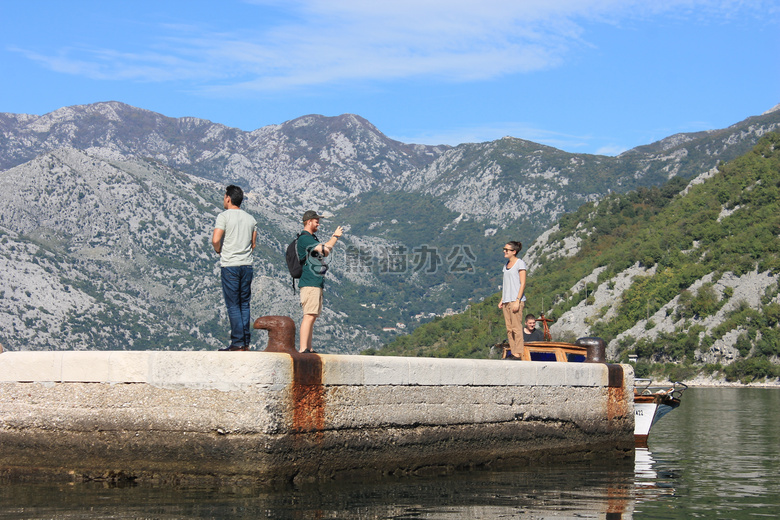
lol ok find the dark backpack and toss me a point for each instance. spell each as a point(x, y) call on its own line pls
point(293, 261)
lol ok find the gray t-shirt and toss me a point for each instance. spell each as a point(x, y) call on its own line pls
point(239, 226)
point(511, 284)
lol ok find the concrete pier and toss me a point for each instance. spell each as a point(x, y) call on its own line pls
point(270, 417)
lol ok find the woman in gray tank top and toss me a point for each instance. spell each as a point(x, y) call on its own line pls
point(513, 299)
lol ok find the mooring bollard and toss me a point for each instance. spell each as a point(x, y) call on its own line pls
point(596, 349)
point(281, 333)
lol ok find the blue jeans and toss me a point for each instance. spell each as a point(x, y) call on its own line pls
point(237, 290)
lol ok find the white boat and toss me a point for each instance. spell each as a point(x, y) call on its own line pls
point(650, 404)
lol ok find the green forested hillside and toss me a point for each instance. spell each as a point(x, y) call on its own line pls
point(730, 223)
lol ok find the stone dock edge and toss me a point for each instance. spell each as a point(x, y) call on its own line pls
point(269, 418)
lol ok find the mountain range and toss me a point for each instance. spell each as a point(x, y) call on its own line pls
point(107, 212)
point(680, 279)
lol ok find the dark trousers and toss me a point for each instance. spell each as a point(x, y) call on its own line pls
point(237, 290)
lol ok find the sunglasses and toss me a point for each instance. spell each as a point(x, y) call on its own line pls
point(508, 249)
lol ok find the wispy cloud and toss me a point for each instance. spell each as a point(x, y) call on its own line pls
point(110, 64)
point(611, 149)
point(333, 41)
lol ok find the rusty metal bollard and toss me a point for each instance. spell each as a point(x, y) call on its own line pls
point(281, 333)
point(596, 349)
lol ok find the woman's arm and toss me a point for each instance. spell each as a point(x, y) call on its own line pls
point(516, 303)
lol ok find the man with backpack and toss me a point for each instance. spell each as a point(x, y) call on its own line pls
point(310, 253)
point(234, 239)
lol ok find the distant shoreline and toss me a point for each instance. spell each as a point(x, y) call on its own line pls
point(715, 383)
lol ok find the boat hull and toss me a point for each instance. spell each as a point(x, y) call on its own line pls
point(648, 410)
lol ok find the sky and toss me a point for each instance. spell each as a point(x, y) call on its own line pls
point(584, 76)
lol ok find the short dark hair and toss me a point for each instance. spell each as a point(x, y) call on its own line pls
point(517, 246)
point(236, 194)
point(530, 316)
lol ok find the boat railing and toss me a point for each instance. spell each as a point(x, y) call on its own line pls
point(678, 389)
point(644, 386)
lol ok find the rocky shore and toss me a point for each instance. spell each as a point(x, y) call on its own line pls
point(712, 382)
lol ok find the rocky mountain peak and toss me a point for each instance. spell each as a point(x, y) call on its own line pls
point(773, 109)
point(93, 223)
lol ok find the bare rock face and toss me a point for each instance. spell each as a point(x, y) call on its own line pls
point(106, 212)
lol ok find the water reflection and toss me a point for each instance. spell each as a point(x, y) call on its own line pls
point(652, 482)
point(644, 469)
point(715, 457)
point(725, 449)
point(561, 492)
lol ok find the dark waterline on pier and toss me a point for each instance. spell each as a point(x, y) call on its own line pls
point(717, 456)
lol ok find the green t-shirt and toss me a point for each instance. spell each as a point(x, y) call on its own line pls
point(311, 265)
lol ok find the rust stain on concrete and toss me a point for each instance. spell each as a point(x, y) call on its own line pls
point(308, 394)
point(616, 393)
point(307, 391)
point(615, 375)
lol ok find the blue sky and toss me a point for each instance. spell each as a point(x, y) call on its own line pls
point(585, 76)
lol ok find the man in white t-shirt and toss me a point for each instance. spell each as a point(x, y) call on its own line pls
point(234, 238)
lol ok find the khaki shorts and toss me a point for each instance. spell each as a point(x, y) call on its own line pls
point(311, 300)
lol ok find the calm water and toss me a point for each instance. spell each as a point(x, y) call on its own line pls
point(717, 456)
